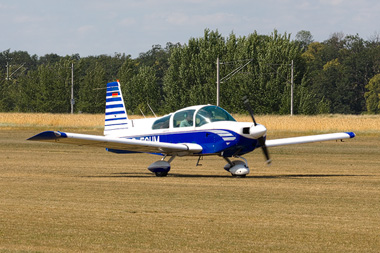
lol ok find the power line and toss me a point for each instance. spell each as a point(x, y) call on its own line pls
point(238, 69)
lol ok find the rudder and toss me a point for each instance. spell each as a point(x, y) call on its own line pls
point(116, 117)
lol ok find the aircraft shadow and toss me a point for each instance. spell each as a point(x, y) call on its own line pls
point(145, 175)
point(289, 176)
point(268, 176)
point(306, 176)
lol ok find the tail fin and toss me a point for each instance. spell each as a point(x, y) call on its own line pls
point(116, 116)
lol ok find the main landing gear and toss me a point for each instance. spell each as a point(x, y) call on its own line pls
point(161, 168)
point(237, 168)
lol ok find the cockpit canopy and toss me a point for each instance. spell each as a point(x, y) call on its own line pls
point(210, 114)
point(193, 115)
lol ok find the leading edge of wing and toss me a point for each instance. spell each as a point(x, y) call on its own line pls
point(309, 138)
point(117, 143)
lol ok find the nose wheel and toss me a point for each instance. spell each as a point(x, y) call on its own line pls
point(237, 168)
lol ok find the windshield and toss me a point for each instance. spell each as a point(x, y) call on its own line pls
point(161, 123)
point(210, 114)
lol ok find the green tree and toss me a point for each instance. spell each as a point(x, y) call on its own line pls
point(55, 87)
point(149, 92)
point(29, 97)
point(127, 72)
point(274, 60)
point(339, 69)
point(5, 101)
point(92, 90)
point(330, 76)
point(372, 96)
point(304, 38)
point(190, 78)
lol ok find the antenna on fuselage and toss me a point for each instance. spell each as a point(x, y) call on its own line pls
point(151, 110)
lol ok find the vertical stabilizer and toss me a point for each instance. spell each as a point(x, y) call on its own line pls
point(116, 116)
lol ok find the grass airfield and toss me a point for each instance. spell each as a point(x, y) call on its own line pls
point(321, 197)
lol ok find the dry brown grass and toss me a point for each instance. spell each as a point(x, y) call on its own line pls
point(52, 120)
point(363, 124)
point(320, 123)
point(321, 197)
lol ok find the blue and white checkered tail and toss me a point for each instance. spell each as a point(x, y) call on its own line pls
point(116, 116)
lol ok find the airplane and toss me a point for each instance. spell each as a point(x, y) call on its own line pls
point(201, 130)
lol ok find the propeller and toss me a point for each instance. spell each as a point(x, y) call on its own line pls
point(261, 139)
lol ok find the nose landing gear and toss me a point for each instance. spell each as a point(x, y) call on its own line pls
point(237, 168)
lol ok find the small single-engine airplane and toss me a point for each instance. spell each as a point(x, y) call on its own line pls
point(200, 130)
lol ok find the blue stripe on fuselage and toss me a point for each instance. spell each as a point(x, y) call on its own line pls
point(211, 142)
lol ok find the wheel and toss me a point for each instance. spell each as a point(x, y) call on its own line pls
point(239, 169)
point(160, 168)
point(239, 176)
point(161, 174)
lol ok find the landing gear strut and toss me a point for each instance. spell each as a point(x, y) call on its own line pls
point(161, 168)
point(237, 168)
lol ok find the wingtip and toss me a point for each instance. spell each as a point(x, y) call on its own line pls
point(351, 134)
point(46, 136)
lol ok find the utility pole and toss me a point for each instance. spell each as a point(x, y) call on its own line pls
point(291, 88)
point(7, 71)
point(72, 88)
point(217, 81)
point(291, 84)
point(10, 75)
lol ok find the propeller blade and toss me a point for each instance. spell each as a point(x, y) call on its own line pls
point(261, 139)
point(249, 109)
point(265, 150)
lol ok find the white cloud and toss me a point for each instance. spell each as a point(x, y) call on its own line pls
point(43, 26)
point(183, 19)
point(25, 19)
point(178, 18)
point(332, 2)
point(86, 29)
point(128, 22)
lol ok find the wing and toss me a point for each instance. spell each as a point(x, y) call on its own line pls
point(118, 143)
point(309, 138)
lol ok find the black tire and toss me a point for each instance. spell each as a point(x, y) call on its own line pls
point(239, 176)
point(161, 174)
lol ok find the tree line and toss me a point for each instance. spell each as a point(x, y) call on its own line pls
point(339, 75)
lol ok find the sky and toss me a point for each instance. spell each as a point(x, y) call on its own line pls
point(95, 27)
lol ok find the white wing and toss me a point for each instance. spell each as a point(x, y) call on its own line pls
point(118, 143)
point(309, 138)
